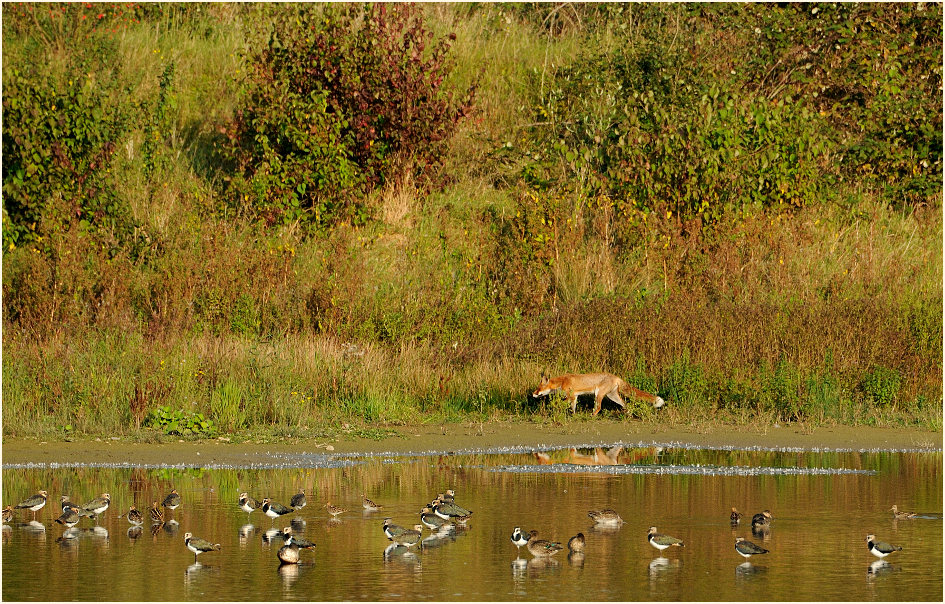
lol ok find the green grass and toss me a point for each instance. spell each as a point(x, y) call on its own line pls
point(452, 300)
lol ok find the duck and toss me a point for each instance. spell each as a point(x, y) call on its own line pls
point(298, 500)
point(606, 517)
point(576, 543)
point(736, 516)
point(199, 546)
point(542, 548)
point(288, 553)
point(898, 515)
point(880, 549)
point(33, 503)
point(747, 548)
point(762, 519)
point(661, 542)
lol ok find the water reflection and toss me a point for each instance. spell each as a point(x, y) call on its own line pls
point(348, 567)
point(134, 532)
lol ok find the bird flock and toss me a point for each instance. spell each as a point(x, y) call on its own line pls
point(441, 516)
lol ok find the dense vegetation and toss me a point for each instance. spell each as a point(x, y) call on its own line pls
point(220, 217)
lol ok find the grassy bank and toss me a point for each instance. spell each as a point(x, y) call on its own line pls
point(807, 288)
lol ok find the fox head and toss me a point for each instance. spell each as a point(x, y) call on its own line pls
point(544, 387)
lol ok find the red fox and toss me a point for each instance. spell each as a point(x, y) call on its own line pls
point(598, 384)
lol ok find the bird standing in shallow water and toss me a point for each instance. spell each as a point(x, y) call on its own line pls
point(298, 500)
point(902, 515)
point(156, 513)
point(335, 510)
point(392, 530)
point(172, 501)
point(98, 505)
point(369, 505)
point(247, 503)
point(274, 510)
point(134, 516)
point(70, 516)
point(518, 538)
point(33, 504)
point(661, 542)
point(431, 520)
point(289, 535)
point(542, 548)
point(576, 543)
point(880, 549)
point(199, 546)
point(747, 548)
point(736, 516)
point(409, 537)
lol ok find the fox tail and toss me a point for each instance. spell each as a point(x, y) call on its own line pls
point(653, 399)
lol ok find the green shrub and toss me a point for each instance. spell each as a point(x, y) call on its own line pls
point(340, 101)
point(179, 422)
point(881, 385)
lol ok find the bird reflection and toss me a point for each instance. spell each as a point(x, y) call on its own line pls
point(195, 571)
point(879, 568)
point(659, 567)
point(171, 527)
point(399, 553)
point(298, 525)
point(576, 559)
point(156, 529)
point(270, 535)
point(35, 529)
point(289, 573)
point(134, 532)
point(747, 569)
point(762, 532)
point(246, 531)
point(604, 529)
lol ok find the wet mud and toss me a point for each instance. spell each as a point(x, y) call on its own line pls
point(496, 437)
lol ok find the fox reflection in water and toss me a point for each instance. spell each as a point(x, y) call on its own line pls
point(613, 456)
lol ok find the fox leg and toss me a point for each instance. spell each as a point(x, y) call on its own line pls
point(615, 397)
point(572, 396)
point(598, 399)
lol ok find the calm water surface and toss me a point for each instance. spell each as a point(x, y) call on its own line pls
point(824, 505)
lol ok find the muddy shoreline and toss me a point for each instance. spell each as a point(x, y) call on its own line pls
point(458, 438)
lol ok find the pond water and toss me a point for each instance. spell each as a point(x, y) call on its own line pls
point(823, 505)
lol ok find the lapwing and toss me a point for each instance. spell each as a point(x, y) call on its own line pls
point(247, 503)
point(409, 537)
point(369, 505)
point(661, 542)
point(762, 519)
point(64, 502)
point(736, 516)
point(289, 535)
point(134, 516)
point(335, 510)
point(298, 500)
point(156, 514)
point(199, 546)
point(747, 548)
point(880, 549)
point(70, 516)
point(431, 520)
point(606, 517)
point(902, 515)
point(542, 548)
point(274, 510)
point(98, 505)
point(172, 501)
point(392, 530)
point(33, 504)
point(450, 511)
point(518, 538)
point(576, 543)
